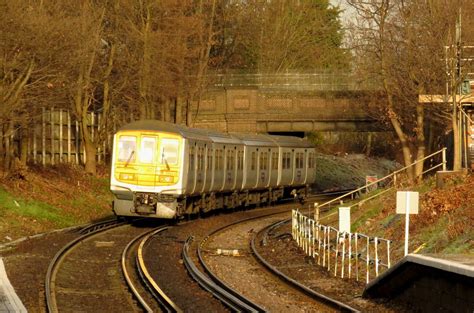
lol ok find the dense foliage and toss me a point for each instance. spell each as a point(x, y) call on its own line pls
point(146, 58)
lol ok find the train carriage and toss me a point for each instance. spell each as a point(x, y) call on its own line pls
point(165, 170)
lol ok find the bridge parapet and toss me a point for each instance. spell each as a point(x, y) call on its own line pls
point(291, 81)
point(260, 110)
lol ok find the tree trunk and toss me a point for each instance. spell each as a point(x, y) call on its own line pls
point(90, 147)
point(456, 139)
point(91, 163)
point(24, 146)
point(403, 141)
point(420, 140)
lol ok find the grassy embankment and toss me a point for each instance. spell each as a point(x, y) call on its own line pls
point(444, 223)
point(48, 198)
point(56, 197)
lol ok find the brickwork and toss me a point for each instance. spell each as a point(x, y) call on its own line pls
point(255, 110)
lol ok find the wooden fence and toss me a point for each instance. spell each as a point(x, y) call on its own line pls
point(56, 138)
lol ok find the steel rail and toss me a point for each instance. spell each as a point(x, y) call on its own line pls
point(130, 284)
point(218, 281)
point(236, 303)
point(315, 295)
point(92, 227)
point(156, 291)
point(50, 281)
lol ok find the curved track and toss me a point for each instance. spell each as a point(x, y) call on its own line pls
point(316, 295)
point(50, 282)
point(244, 265)
point(155, 290)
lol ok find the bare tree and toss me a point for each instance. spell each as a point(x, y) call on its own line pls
point(400, 45)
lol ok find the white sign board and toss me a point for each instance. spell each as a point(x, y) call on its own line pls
point(412, 202)
point(407, 203)
point(345, 219)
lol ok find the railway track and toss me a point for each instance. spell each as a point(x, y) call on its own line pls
point(223, 279)
point(216, 287)
point(50, 282)
point(136, 272)
point(263, 233)
point(84, 275)
point(136, 247)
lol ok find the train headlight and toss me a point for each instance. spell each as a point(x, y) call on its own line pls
point(165, 179)
point(126, 176)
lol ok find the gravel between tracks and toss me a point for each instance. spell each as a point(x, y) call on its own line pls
point(243, 273)
point(27, 262)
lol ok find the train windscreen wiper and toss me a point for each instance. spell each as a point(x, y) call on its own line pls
point(166, 161)
point(129, 157)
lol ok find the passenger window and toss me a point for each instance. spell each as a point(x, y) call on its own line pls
point(169, 151)
point(219, 159)
point(199, 159)
point(274, 161)
point(286, 160)
point(265, 161)
point(126, 148)
point(147, 149)
point(191, 158)
point(202, 158)
point(231, 160)
point(209, 158)
point(254, 161)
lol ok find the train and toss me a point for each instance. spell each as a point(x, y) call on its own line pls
point(165, 170)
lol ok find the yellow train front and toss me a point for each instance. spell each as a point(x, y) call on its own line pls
point(165, 170)
point(147, 169)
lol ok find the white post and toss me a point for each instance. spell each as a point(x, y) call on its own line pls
point(357, 256)
point(367, 262)
point(350, 255)
point(444, 159)
point(52, 135)
point(407, 202)
point(305, 235)
point(343, 254)
point(316, 212)
point(76, 138)
point(324, 246)
point(407, 222)
point(329, 248)
point(388, 253)
point(376, 240)
point(319, 244)
point(60, 135)
point(336, 254)
point(43, 136)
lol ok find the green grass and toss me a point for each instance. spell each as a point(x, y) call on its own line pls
point(435, 236)
point(33, 209)
point(369, 212)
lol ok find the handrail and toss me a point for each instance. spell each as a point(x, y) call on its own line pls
point(443, 162)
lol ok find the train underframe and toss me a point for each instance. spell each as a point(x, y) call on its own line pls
point(171, 206)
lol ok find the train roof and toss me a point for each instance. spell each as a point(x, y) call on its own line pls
point(216, 136)
point(290, 141)
point(160, 126)
point(255, 140)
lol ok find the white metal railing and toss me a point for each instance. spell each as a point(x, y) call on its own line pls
point(393, 176)
point(341, 252)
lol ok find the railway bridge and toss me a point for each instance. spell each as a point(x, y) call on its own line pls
point(283, 103)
